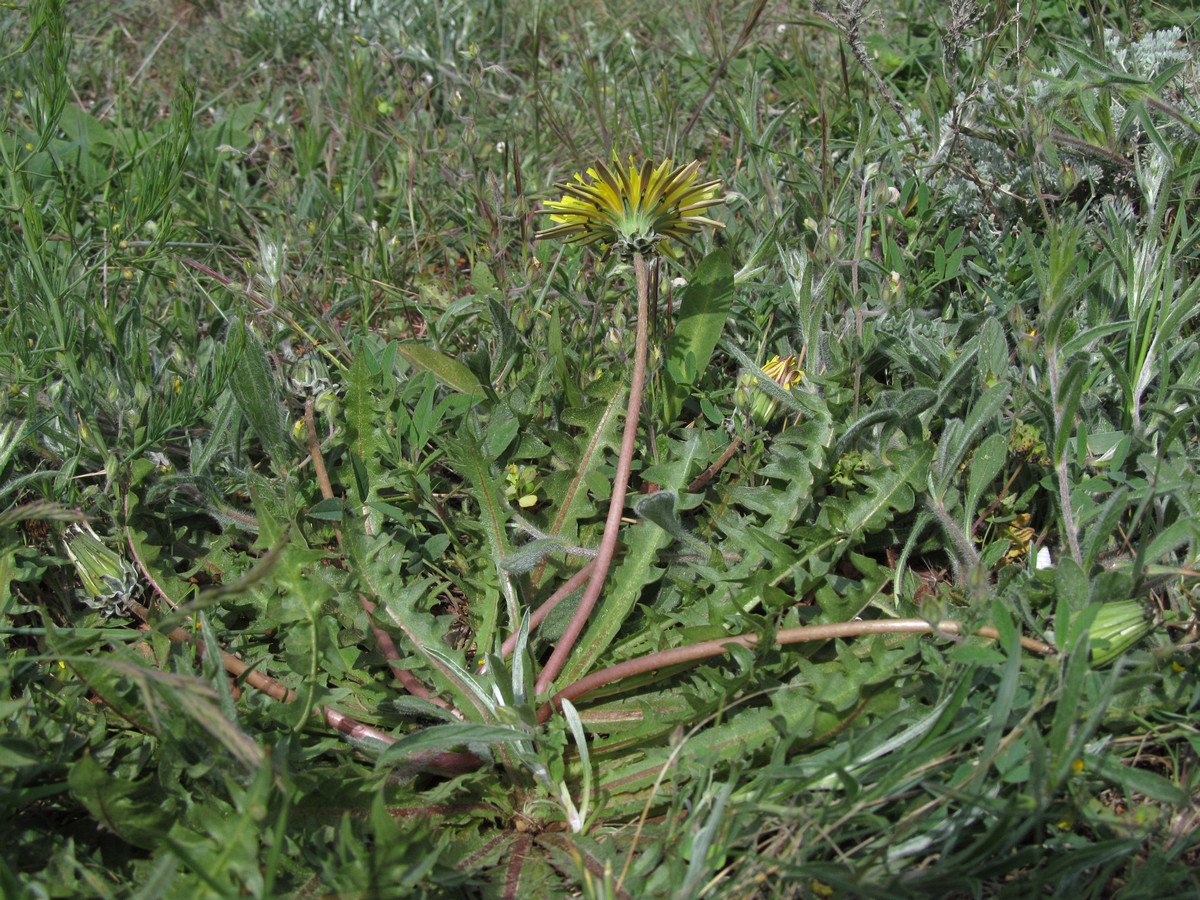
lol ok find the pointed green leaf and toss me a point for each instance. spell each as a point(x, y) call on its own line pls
point(449, 371)
point(494, 513)
point(438, 738)
point(253, 383)
point(954, 448)
point(363, 434)
point(989, 458)
point(626, 581)
point(137, 812)
point(1134, 781)
point(703, 310)
point(597, 423)
point(327, 510)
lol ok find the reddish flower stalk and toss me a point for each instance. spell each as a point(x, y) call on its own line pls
point(616, 507)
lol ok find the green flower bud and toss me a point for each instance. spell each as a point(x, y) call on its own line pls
point(885, 195)
point(743, 396)
point(892, 290)
point(1117, 627)
point(109, 581)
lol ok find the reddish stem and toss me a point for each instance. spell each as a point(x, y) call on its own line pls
point(539, 615)
point(693, 652)
point(612, 526)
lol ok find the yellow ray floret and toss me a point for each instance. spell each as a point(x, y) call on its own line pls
point(633, 209)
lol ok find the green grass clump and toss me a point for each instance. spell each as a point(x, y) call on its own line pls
point(307, 447)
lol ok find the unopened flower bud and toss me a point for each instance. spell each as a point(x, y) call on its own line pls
point(109, 581)
point(1117, 627)
point(892, 289)
point(885, 195)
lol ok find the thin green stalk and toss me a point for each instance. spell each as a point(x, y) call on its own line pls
point(612, 526)
point(1060, 462)
point(313, 674)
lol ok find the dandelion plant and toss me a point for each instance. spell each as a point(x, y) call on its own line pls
point(306, 444)
point(630, 212)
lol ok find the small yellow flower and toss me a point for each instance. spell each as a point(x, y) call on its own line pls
point(1019, 535)
point(632, 210)
point(521, 485)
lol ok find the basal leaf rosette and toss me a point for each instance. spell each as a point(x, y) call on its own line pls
point(633, 209)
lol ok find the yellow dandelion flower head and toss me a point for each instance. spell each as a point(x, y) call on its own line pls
point(633, 209)
point(1019, 535)
point(756, 404)
point(783, 372)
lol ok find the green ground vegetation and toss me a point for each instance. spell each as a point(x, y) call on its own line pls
point(300, 429)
